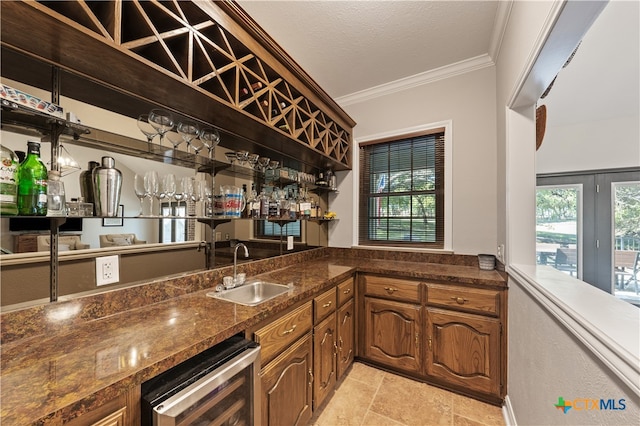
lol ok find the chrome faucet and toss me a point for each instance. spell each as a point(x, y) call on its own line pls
point(235, 259)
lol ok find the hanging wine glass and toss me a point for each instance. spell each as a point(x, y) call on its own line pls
point(152, 187)
point(169, 188)
point(210, 138)
point(162, 121)
point(140, 190)
point(189, 131)
point(145, 127)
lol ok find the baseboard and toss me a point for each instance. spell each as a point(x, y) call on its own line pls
point(507, 413)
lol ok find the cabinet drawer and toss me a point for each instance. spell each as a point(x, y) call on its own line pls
point(345, 291)
point(392, 288)
point(324, 304)
point(478, 300)
point(282, 332)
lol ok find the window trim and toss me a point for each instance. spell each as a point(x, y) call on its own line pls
point(447, 125)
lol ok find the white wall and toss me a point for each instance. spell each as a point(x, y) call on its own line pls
point(468, 100)
point(592, 145)
point(546, 360)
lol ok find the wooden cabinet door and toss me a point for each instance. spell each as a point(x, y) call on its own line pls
point(464, 349)
point(392, 333)
point(346, 337)
point(286, 386)
point(324, 359)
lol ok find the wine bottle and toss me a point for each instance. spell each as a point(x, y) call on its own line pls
point(8, 185)
point(32, 183)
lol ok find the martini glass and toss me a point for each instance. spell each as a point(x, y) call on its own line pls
point(162, 121)
point(210, 138)
point(145, 127)
point(189, 131)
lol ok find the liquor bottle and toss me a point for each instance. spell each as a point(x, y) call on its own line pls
point(320, 181)
point(56, 203)
point(264, 205)
point(32, 183)
point(312, 209)
point(8, 185)
point(247, 210)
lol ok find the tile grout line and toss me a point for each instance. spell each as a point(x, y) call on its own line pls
point(371, 402)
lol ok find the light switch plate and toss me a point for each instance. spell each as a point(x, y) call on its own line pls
point(107, 270)
point(290, 242)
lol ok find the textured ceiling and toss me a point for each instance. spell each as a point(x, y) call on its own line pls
point(349, 46)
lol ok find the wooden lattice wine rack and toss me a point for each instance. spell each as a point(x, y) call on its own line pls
point(213, 48)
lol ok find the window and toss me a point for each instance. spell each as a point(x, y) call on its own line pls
point(402, 191)
point(271, 230)
point(173, 230)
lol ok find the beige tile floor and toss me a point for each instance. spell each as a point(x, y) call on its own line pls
point(371, 397)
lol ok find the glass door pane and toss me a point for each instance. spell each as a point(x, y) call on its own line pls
point(559, 227)
point(626, 230)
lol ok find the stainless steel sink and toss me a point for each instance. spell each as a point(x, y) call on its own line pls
point(252, 293)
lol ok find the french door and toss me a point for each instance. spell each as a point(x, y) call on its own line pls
point(588, 226)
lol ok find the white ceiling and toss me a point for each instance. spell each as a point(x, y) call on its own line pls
point(349, 46)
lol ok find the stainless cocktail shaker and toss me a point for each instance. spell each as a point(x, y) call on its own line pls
point(107, 184)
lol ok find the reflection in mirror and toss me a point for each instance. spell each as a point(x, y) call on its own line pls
point(148, 248)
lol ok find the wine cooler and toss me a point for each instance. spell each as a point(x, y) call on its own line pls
point(220, 386)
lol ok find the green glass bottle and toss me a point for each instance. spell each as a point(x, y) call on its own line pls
point(8, 187)
point(32, 183)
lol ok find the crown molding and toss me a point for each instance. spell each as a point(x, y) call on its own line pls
point(499, 28)
point(426, 77)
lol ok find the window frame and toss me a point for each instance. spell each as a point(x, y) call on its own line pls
point(442, 190)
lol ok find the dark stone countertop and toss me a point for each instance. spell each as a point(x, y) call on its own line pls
point(72, 356)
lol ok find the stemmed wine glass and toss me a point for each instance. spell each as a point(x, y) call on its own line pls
point(145, 127)
point(198, 193)
point(263, 162)
point(179, 195)
point(152, 187)
point(187, 191)
point(197, 145)
point(189, 131)
point(162, 121)
point(169, 188)
point(174, 138)
point(140, 190)
point(210, 138)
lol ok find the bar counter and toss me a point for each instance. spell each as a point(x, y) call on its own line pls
point(64, 358)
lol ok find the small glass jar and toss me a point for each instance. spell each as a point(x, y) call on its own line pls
point(56, 205)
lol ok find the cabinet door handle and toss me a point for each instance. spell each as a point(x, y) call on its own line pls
point(417, 339)
point(346, 317)
point(390, 290)
point(289, 331)
point(430, 343)
point(335, 350)
point(310, 377)
point(459, 300)
point(326, 305)
point(341, 343)
point(347, 291)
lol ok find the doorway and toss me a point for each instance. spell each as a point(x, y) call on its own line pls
point(588, 226)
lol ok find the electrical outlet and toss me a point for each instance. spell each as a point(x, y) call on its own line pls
point(226, 236)
point(107, 270)
point(500, 253)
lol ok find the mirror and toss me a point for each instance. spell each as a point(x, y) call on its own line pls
point(157, 256)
